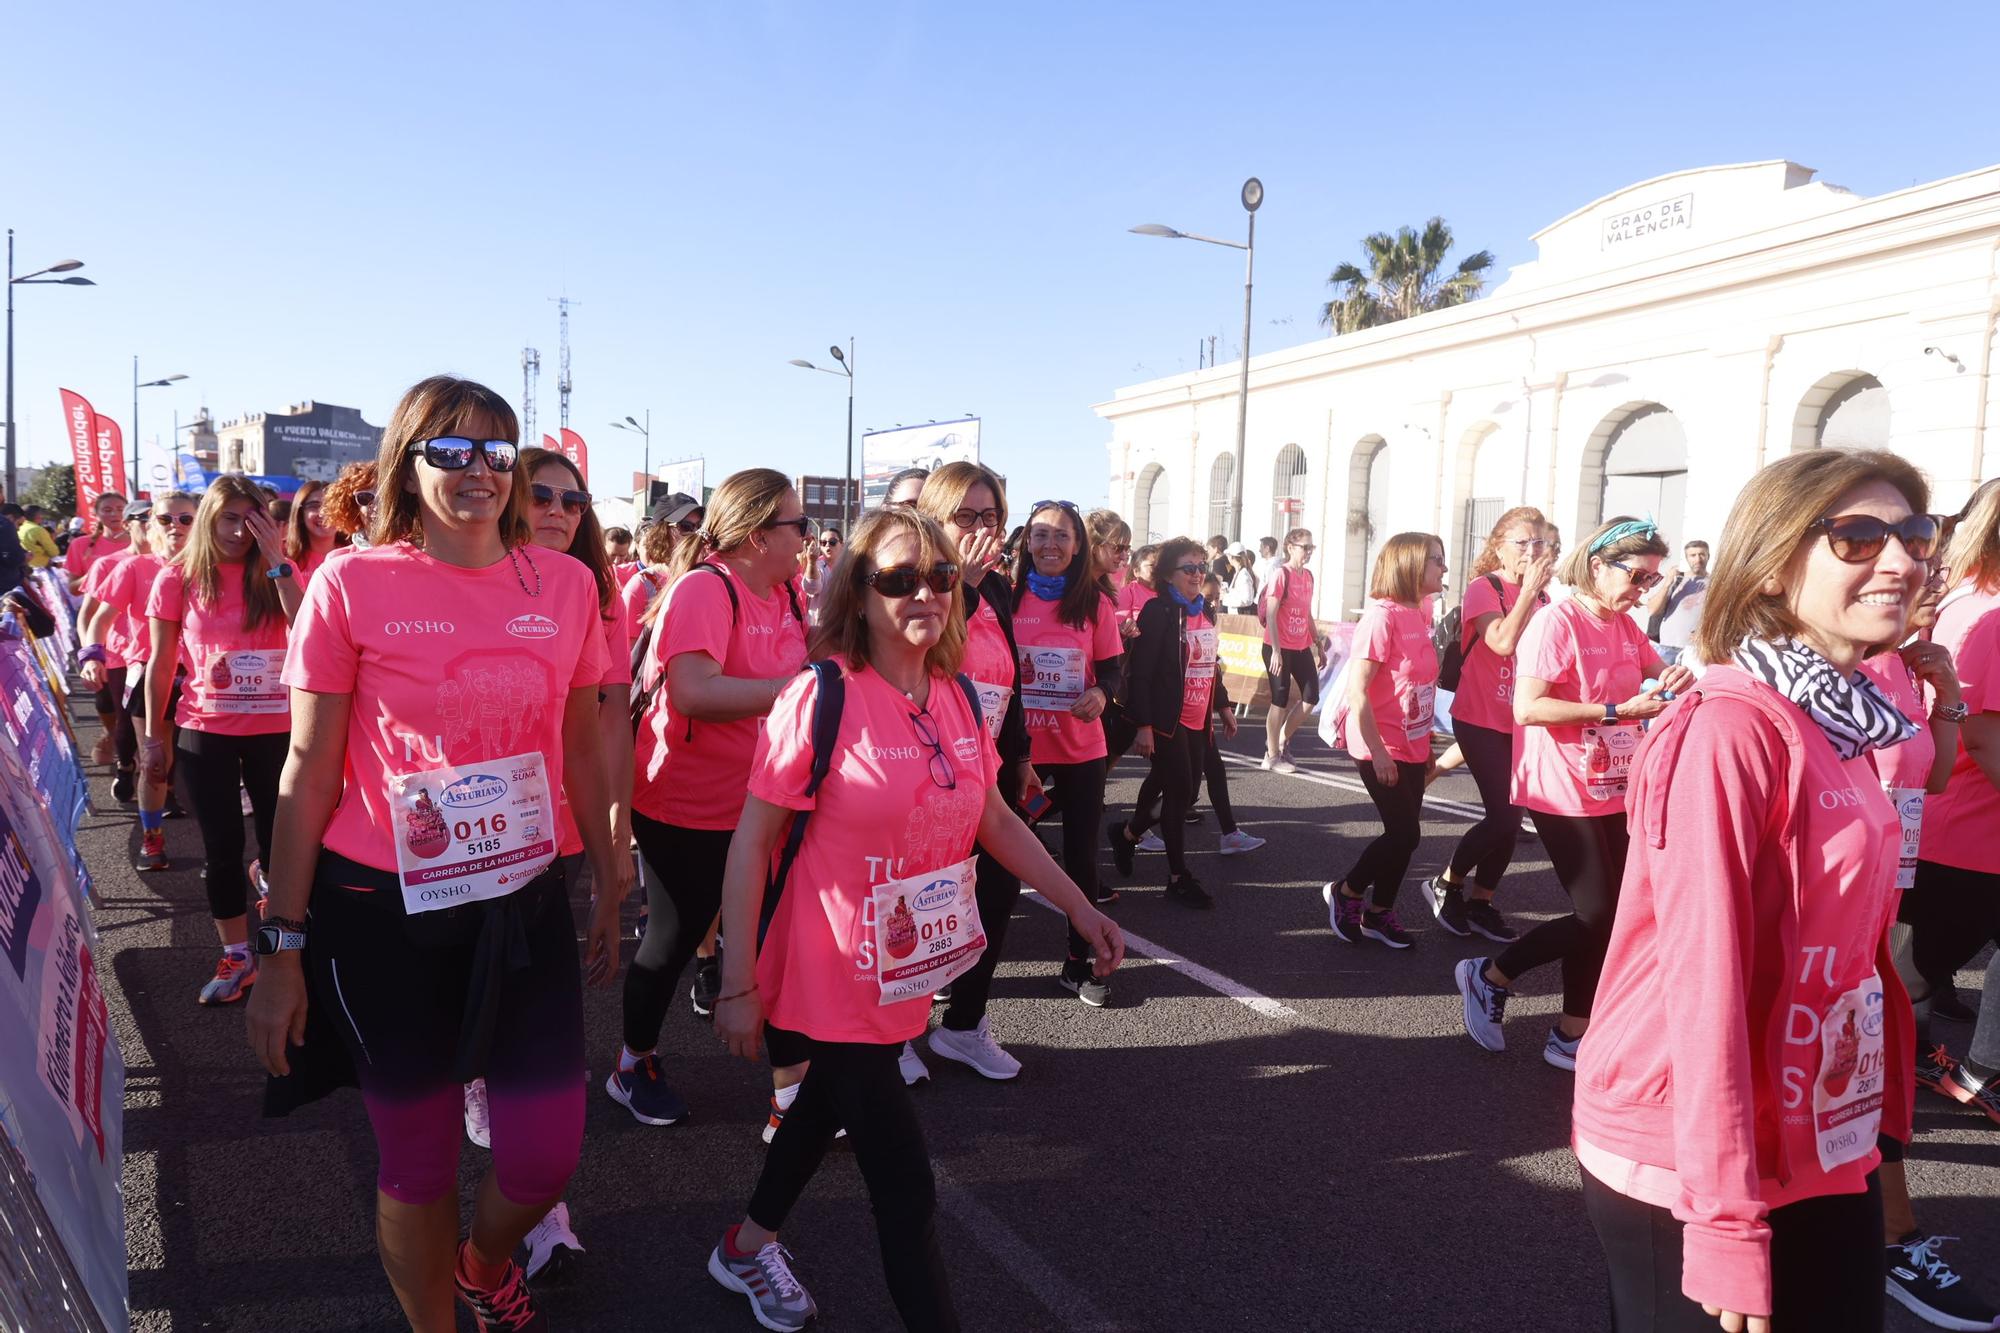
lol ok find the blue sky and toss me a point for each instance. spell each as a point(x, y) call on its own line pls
point(289, 202)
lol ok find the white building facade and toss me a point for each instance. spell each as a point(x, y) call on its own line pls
point(1669, 340)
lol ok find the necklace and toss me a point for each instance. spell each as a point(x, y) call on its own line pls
point(516, 562)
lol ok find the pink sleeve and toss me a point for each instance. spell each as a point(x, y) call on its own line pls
point(697, 619)
point(617, 647)
point(1374, 638)
point(1978, 660)
point(321, 655)
point(635, 597)
point(1547, 650)
point(1105, 640)
point(783, 763)
point(1480, 600)
point(116, 589)
point(165, 602)
point(590, 664)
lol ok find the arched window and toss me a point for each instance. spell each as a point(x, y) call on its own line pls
point(1643, 471)
point(1367, 518)
point(1846, 410)
point(1288, 491)
point(1221, 513)
point(1149, 505)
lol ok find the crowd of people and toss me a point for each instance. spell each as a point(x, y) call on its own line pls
point(443, 693)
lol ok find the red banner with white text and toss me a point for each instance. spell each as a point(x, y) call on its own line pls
point(98, 455)
point(577, 452)
point(110, 455)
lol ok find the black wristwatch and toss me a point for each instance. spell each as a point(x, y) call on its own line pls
point(279, 571)
point(279, 934)
point(1611, 715)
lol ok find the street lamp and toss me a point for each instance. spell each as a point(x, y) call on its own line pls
point(65, 266)
point(1253, 197)
point(628, 424)
point(846, 361)
point(136, 386)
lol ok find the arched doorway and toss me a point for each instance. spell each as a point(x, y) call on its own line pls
point(1845, 410)
point(1636, 463)
point(1489, 475)
point(1149, 505)
point(1221, 510)
point(1367, 517)
point(1288, 491)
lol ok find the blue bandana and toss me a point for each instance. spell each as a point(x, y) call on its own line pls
point(1048, 587)
point(1194, 606)
point(1630, 528)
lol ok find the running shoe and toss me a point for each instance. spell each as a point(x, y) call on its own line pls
point(975, 1049)
point(707, 985)
point(1122, 847)
point(1946, 1004)
point(232, 977)
point(1485, 919)
point(1280, 763)
point(1959, 1084)
point(645, 1094)
point(1925, 1285)
point(1933, 1066)
point(152, 851)
point(1152, 842)
point(550, 1247)
point(1447, 905)
point(1560, 1051)
point(1236, 841)
point(777, 1118)
point(1386, 928)
point(124, 786)
point(777, 1298)
point(912, 1065)
point(1188, 892)
point(1193, 817)
point(1343, 914)
point(478, 1119)
point(1085, 984)
point(507, 1308)
point(1485, 1003)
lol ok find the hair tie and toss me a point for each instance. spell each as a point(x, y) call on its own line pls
point(1631, 527)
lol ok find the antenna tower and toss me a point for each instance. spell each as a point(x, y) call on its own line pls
point(563, 304)
point(531, 370)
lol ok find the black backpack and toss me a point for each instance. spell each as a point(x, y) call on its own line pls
point(643, 695)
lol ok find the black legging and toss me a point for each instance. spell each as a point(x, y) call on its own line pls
point(857, 1087)
point(211, 767)
point(1588, 852)
point(683, 893)
point(1487, 848)
point(1826, 1263)
point(1217, 774)
point(1168, 791)
point(1952, 913)
point(1076, 793)
point(125, 733)
point(996, 890)
point(1386, 860)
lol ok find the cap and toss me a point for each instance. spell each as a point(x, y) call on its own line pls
point(674, 508)
point(138, 509)
point(1237, 548)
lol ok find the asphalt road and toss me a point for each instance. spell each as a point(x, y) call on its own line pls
point(1271, 1131)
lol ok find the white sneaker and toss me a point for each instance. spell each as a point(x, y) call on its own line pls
point(478, 1120)
point(1239, 841)
point(1268, 760)
point(1152, 842)
point(1560, 1051)
point(912, 1065)
point(976, 1049)
point(1280, 763)
point(550, 1246)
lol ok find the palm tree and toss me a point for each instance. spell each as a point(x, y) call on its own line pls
point(1404, 277)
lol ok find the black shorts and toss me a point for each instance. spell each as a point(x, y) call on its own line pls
point(1291, 664)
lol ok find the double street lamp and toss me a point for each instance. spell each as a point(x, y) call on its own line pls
point(136, 386)
point(646, 431)
point(66, 266)
point(846, 362)
point(1253, 196)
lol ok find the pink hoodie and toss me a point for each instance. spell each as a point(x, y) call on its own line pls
point(1749, 1028)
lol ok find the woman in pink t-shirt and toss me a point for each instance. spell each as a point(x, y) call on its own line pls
point(876, 910)
point(220, 612)
point(1503, 592)
point(1391, 711)
point(309, 537)
point(1579, 699)
point(109, 535)
point(729, 634)
point(656, 551)
point(1751, 1037)
point(1066, 626)
point(444, 684)
point(118, 660)
point(120, 618)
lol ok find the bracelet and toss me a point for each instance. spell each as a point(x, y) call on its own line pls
point(1951, 712)
point(737, 995)
point(90, 652)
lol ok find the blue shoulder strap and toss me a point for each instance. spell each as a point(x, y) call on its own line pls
point(829, 698)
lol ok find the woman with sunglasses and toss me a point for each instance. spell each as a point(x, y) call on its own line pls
point(1391, 709)
point(1293, 648)
point(309, 537)
point(1066, 627)
point(348, 504)
point(221, 611)
point(911, 796)
point(815, 562)
point(444, 686)
point(1501, 597)
point(1585, 678)
point(1751, 1037)
point(1110, 550)
point(969, 505)
point(108, 652)
point(729, 634)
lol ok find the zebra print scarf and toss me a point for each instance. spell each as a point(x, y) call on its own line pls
point(1852, 712)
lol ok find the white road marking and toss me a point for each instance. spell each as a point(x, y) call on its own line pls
point(1350, 784)
point(1058, 1294)
point(1255, 1001)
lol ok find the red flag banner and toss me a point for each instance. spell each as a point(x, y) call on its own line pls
point(577, 452)
point(552, 444)
point(111, 454)
point(81, 423)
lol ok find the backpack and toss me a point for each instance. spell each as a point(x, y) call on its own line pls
point(829, 699)
point(1448, 638)
point(1264, 598)
point(643, 694)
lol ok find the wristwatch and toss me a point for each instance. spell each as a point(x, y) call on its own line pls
point(278, 934)
point(1957, 712)
point(1610, 715)
point(283, 571)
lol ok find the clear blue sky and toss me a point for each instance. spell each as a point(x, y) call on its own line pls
point(289, 202)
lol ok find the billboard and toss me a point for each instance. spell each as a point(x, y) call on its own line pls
point(884, 453)
point(685, 476)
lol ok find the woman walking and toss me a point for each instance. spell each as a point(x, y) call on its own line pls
point(309, 537)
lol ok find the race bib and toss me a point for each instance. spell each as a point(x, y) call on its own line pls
point(993, 705)
point(1051, 678)
point(1607, 760)
point(927, 932)
point(1421, 718)
point(1909, 803)
point(1202, 650)
point(247, 682)
point(1847, 1092)
point(470, 832)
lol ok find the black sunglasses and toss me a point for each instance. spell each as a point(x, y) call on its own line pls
point(573, 502)
point(902, 580)
point(364, 499)
point(1642, 579)
point(168, 520)
point(1190, 569)
point(1858, 537)
point(941, 770)
point(802, 523)
point(454, 453)
point(1056, 504)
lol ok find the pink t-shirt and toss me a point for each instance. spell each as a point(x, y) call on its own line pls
point(1579, 770)
point(232, 687)
point(1485, 695)
point(1130, 598)
point(445, 666)
point(617, 671)
point(1289, 624)
point(116, 641)
point(1909, 764)
point(1960, 822)
point(126, 585)
point(1402, 694)
point(1198, 681)
point(879, 816)
point(691, 773)
point(1058, 664)
point(990, 665)
point(624, 571)
point(85, 551)
point(304, 567)
point(637, 595)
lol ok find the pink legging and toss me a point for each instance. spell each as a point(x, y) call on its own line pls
point(537, 1136)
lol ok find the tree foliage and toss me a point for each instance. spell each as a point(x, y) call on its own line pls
point(1405, 275)
point(54, 489)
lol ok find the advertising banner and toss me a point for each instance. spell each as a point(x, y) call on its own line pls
point(577, 452)
point(110, 442)
point(884, 453)
point(685, 476)
point(100, 465)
